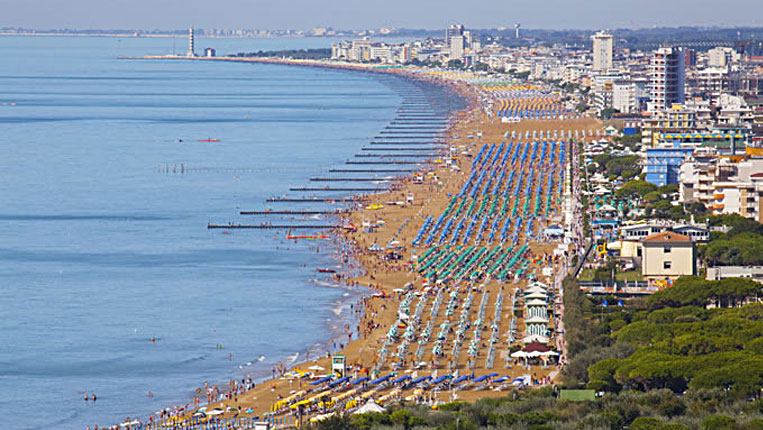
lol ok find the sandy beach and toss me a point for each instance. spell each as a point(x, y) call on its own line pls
point(392, 280)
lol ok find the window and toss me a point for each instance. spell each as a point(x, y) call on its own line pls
point(666, 264)
point(666, 249)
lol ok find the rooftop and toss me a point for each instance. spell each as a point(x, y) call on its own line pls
point(666, 236)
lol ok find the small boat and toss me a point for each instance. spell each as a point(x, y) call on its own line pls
point(208, 140)
point(326, 270)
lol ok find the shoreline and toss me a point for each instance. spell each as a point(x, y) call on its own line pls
point(460, 124)
point(357, 293)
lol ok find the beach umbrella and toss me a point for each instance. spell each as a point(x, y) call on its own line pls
point(320, 381)
point(339, 381)
point(441, 379)
point(370, 406)
point(380, 380)
point(421, 379)
point(401, 379)
point(461, 379)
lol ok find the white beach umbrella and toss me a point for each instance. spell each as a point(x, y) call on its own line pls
point(370, 406)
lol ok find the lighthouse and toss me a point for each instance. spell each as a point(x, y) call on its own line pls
point(191, 52)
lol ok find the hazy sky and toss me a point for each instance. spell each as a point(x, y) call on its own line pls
point(359, 14)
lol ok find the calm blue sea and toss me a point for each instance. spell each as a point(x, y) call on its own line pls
point(103, 240)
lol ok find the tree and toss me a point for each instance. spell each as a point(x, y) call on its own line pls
point(455, 64)
point(719, 422)
point(480, 67)
point(686, 291)
point(696, 209)
point(635, 188)
point(744, 249)
point(668, 189)
point(661, 209)
point(602, 375)
point(646, 423)
point(652, 196)
point(335, 422)
point(607, 113)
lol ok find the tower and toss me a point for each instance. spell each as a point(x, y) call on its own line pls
point(191, 52)
point(516, 30)
point(452, 31)
point(667, 75)
point(602, 51)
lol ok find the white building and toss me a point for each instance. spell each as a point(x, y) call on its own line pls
point(624, 96)
point(456, 47)
point(667, 75)
point(452, 31)
point(722, 272)
point(721, 57)
point(723, 186)
point(602, 51)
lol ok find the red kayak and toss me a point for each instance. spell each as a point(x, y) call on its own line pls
point(208, 140)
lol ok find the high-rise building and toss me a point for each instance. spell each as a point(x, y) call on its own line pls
point(191, 52)
point(456, 44)
point(452, 31)
point(602, 51)
point(666, 78)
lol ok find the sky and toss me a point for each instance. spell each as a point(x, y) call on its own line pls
point(363, 14)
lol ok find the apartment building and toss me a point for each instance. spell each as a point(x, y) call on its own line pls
point(667, 76)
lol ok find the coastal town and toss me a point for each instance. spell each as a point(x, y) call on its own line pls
point(571, 222)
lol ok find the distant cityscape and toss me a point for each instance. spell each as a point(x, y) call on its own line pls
point(695, 107)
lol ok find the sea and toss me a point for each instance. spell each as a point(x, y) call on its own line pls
point(105, 196)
